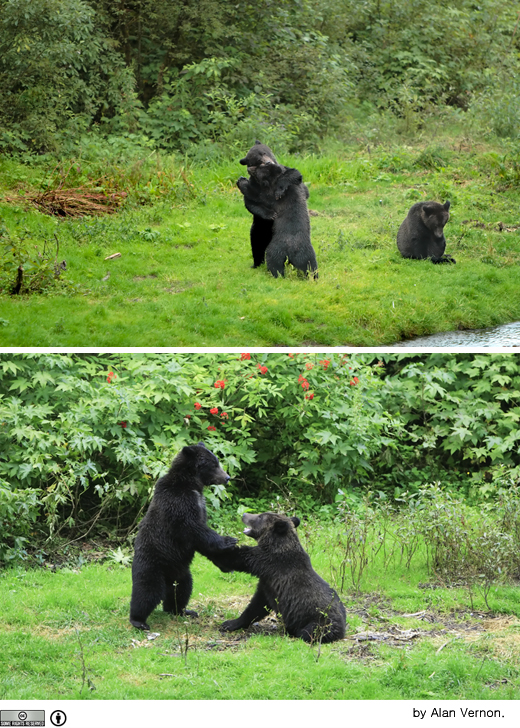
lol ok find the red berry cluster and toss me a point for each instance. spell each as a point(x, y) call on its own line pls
point(305, 384)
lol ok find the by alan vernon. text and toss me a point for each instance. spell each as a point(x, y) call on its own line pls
point(454, 712)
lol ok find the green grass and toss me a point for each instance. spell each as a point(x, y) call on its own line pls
point(66, 635)
point(184, 275)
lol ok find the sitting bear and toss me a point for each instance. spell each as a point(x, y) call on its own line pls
point(288, 584)
point(173, 528)
point(291, 235)
point(259, 200)
point(421, 234)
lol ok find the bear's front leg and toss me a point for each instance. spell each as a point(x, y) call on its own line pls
point(242, 184)
point(233, 559)
point(256, 610)
point(209, 543)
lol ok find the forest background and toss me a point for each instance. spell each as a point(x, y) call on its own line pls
point(207, 77)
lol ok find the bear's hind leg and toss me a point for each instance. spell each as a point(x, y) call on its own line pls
point(312, 265)
point(275, 259)
point(260, 235)
point(147, 593)
point(304, 260)
point(443, 259)
point(317, 631)
point(256, 610)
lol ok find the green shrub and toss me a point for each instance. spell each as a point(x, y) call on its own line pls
point(95, 432)
point(308, 432)
point(464, 408)
point(19, 510)
point(58, 70)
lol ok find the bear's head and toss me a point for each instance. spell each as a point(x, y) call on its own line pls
point(202, 464)
point(259, 525)
point(435, 216)
point(267, 174)
point(257, 155)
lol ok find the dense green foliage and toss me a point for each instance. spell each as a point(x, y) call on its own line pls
point(417, 53)
point(58, 69)
point(462, 411)
point(205, 72)
point(83, 438)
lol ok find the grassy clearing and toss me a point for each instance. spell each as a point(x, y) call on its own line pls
point(184, 275)
point(65, 634)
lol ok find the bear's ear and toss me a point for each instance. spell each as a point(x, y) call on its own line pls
point(201, 444)
point(281, 527)
point(447, 205)
point(257, 141)
point(427, 210)
point(296, 521)
point(189, 452)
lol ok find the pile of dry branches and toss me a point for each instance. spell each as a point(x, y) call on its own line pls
point(62, 200)
point(77, 202)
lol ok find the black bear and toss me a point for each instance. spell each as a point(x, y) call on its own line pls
point(288, 584)
point(291, 235)
point(173, 528)
point(421, 234)
point(262, 227)
point(259, 200)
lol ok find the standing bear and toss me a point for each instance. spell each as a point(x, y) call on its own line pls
point(278, 191)
point(421, 234)
point(288, 584)
point(261, 195)
point(262, 226)
point(173, 528)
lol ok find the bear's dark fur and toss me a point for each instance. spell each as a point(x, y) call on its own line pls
point(262, 226)
point(288, 584)
point(291, 237)
point(260, 235)
point(260, 199)
point(421, 234)
point(173, 528)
